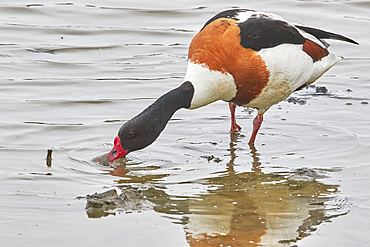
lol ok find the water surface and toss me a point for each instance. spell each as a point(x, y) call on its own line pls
point(72, 73)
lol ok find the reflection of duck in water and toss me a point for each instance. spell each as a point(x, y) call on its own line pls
point(252, 209)
point(245, 209)
point(243, 57)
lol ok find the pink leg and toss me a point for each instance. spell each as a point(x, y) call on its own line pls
point(234, 126)
point(256, 126)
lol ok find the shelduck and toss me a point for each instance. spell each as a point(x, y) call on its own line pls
point(241, 56)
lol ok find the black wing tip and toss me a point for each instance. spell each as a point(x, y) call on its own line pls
point(343, 38)
point(321, 34)
point(354, 42)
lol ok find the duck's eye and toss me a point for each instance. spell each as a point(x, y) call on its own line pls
point(131, 134)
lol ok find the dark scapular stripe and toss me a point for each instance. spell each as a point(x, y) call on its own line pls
point(263, 32)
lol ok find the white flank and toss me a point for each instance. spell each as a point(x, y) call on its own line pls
point(209, 86)
point(290, 67)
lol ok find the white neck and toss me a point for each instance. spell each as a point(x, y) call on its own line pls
point(209, 86)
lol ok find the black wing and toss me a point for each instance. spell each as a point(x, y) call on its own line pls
point(321, 34)
point(260, 32)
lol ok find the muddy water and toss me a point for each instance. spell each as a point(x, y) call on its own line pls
point(72, 73)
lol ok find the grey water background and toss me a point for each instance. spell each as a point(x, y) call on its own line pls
point(71, 73)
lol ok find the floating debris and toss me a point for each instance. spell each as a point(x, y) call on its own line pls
point(322, 90)
point(211, 157)
point(49, 158)
point(296, 100)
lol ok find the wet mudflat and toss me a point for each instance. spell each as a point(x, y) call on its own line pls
point(72, 73)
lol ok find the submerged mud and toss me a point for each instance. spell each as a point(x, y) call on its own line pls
point(110, 202)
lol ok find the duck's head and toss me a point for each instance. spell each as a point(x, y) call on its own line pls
point(142, 130)
point(136, 134)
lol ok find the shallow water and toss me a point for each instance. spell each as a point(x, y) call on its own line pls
point(72, 73)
